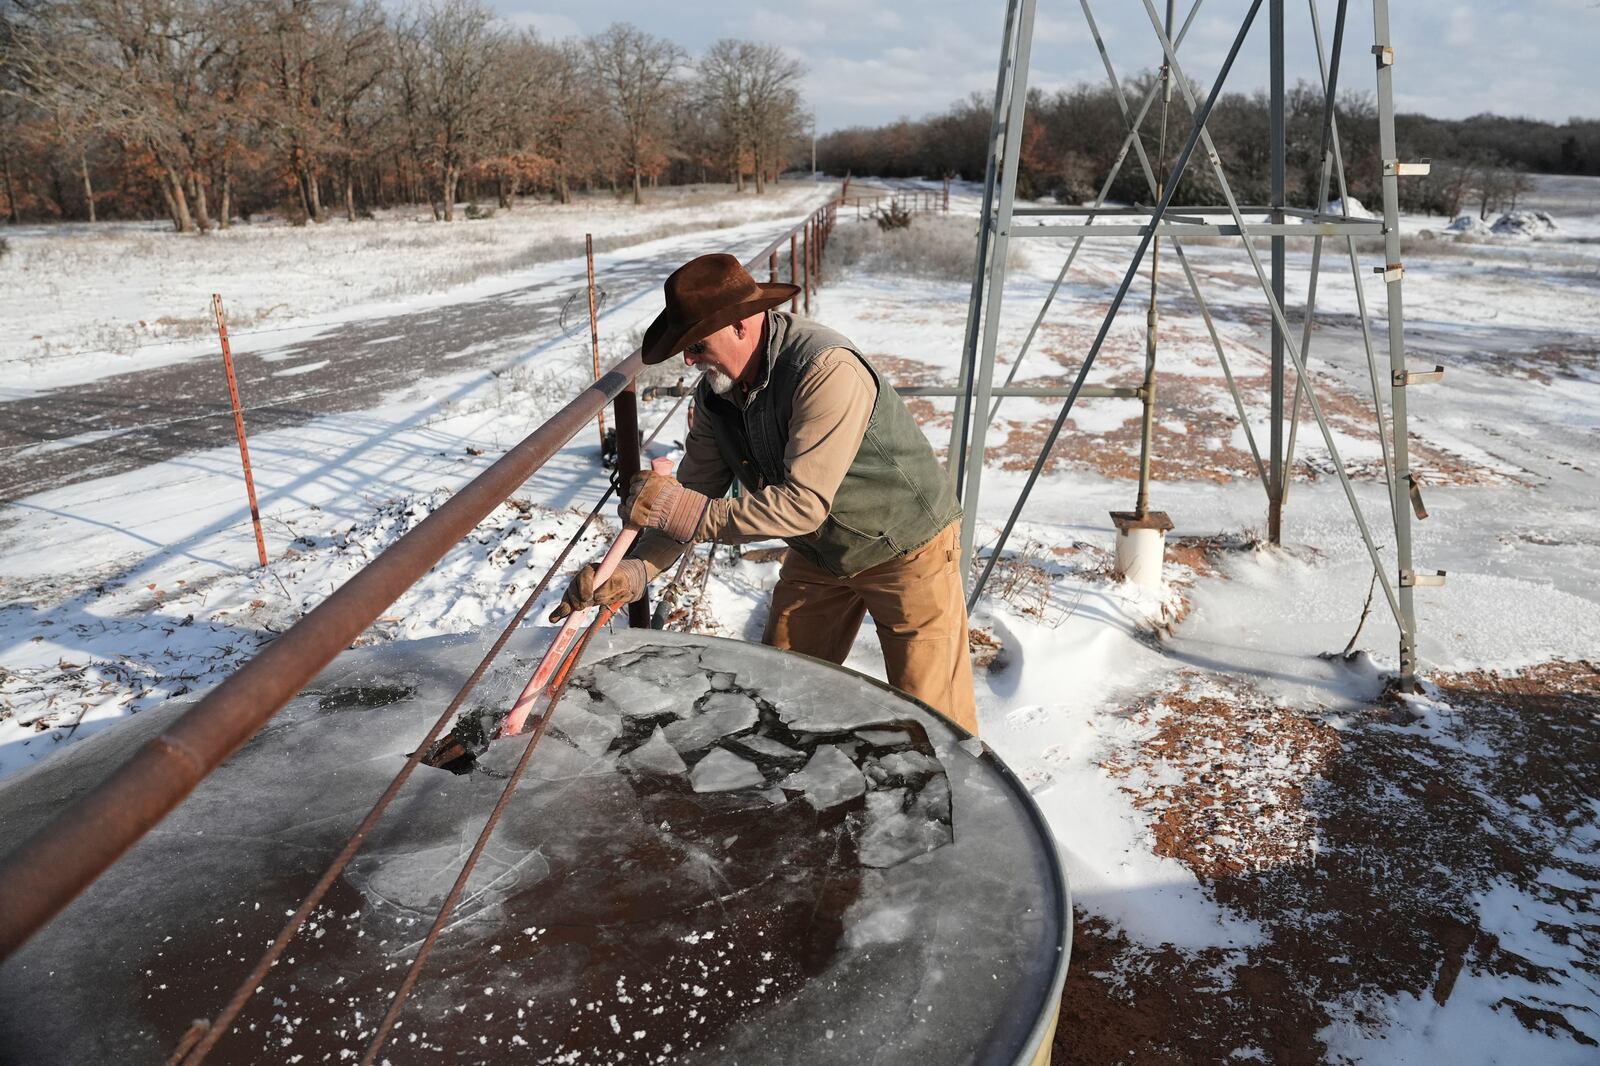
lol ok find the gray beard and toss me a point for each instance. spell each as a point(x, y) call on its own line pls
point(720, 383)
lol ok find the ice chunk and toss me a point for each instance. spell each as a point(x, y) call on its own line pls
point(828, 779)
point(652, 681)
point(722, 680)
point(549, 762)
point(592, 733)
point(893, 834)
point(884, 738)
point(723, 713)
point(765, 748)
point(903, 768)
point(723, 771)
point(655, 756)
point(933, 801)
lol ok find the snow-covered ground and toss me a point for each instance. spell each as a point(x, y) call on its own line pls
point(85, 301)
point(1271, 861)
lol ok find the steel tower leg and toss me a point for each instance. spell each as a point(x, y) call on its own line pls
point(983, 382)
point(1277, 136)
point(1393, 271)
point(956, 454)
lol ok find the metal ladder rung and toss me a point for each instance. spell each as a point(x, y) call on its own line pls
point(1396, 168)
point(1402, 378)
point(1412, 579)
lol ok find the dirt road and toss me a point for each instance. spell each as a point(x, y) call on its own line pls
point(129, 420)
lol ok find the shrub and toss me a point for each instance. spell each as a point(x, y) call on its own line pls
point(476, 212)
point(943, 247)
point(5, 247)
point(894, 217)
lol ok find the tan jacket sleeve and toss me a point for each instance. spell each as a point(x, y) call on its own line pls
point(832, 406)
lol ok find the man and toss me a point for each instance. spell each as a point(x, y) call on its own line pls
point(829, 459)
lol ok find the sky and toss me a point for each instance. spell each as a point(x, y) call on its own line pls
point(871, 63)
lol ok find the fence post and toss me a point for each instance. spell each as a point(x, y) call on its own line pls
point(594, 332)
point(794, 270)
point(947, 194)
point(238, 425)
point(805, 266)
point(628, 464)
point(816, 251)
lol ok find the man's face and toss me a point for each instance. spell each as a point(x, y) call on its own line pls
point(724, 356)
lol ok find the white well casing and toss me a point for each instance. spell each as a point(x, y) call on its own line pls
point(1139, 555)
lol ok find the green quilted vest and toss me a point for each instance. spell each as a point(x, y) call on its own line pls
point(894, 498)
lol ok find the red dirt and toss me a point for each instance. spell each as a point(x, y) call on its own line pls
point(1363, 863)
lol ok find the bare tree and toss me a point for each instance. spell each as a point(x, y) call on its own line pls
point(567, 113)
point(776, 119)
point(636, 73)
point(448, 51)
point(143, 69)
point(722, 94)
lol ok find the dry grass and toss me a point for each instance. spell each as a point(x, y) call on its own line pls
point(942, 247)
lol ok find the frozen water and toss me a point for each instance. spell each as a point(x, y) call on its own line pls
point(722, 680)
point(415, 881)
point(894, 834)
point(723, 713)
point(649, 682)
point(884, 738)
point(655, 756)
point(828, 780)
point(903, 768)
point(760, 747)
point(723, 771)
point(592, 733)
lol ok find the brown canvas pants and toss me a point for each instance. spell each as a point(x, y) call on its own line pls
point(916, 602)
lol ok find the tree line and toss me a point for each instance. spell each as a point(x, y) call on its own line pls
point(202, 111)
point(1072, 137)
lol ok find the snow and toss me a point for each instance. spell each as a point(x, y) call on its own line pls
point(123, 592)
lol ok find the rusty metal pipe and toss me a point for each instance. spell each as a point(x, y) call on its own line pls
point(47, 871)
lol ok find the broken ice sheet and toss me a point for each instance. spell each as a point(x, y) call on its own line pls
point(655, 756)
point(723, 771)
point(903, 768)
point(884, 738)
point(652, 681)
point(760, 747)
point(590, 732)
point(828, 779)
point(722, 714)
point(894, 834)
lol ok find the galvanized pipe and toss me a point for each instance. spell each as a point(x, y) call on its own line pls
point(629, 463)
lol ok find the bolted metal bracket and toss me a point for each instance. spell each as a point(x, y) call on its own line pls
point(1414, 490)
point(1385, 55)
point(1402, 378)
point(1392, 272)
point(1395, 168)
point(1412, 579)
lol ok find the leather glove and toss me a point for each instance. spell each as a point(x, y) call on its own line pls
point(626, 584)
point(657, 501)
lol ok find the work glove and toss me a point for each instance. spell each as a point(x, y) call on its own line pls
point(626, 584)
point(657, 501)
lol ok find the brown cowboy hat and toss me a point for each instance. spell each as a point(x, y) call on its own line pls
point(704, 295)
